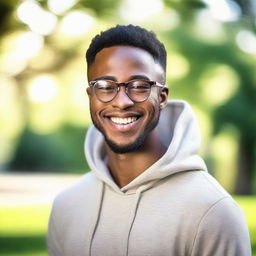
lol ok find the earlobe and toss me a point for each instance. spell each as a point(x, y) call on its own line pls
point(163, 105)
point(88, 90)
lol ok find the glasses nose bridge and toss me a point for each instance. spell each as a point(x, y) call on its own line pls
point(124, 93)
point(125, 84)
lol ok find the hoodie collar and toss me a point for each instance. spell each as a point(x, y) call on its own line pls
point(179, 132)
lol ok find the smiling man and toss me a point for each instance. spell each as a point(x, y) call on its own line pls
point(148, 192)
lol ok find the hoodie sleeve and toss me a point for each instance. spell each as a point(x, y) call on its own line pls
point(222, 231)
point(53, 239)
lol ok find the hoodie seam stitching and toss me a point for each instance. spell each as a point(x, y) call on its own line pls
point(202, 218)
point(98, 218)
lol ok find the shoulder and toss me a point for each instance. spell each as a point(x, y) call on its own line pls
point(205, 198)
point(222, 229)
point(81, 190)
point(77, 201)
point(210, 198)
point(71, 209)
point(202, 187)
point(196, 188)
point(220, 224)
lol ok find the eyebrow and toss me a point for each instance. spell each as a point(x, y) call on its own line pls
point(139, 77)
point(105, 78)
point(112, 78)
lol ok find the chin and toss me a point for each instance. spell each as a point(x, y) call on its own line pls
point(122, 149)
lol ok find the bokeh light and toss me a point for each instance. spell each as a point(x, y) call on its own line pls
point(43, 88)
point(138, 11)
point(178, 66)
point(76, 23)
point(38, 20)
point(19, 48)
point(218, 84)
point(209, 28)
point(246, 41)
point(29, 44)
point(223, 158)
point(224, 10)
point(60, 6)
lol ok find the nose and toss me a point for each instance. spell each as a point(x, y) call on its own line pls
point(121, 100)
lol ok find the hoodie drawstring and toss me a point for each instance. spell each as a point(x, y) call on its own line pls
point(96, 216)
point(135, 208)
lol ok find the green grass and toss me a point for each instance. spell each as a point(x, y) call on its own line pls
point(23, 229)
point(248, 204)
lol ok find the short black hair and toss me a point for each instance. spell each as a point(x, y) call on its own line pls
point(128, 35)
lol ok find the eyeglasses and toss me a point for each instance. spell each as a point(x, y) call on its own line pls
point(136, 90)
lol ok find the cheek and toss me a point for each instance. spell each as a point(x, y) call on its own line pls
point(153, 109)
point(154, 101)
point(95, 105)
point(94, 110)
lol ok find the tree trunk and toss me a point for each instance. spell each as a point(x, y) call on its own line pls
point(244, 179)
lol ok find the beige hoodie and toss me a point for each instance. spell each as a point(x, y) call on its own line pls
point(174, 208)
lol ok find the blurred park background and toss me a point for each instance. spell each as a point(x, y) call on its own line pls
point(44, 113)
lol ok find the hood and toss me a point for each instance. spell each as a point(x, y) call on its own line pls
point(179, 132)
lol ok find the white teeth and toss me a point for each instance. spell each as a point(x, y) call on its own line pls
point(126, 120)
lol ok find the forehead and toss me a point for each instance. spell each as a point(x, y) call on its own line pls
point(121, 61)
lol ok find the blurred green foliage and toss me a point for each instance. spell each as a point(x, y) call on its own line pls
point(61, 151)
point(104, 8)
point(238, 110)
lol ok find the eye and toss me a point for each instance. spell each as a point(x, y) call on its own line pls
point(105, 86)
point(139, 86)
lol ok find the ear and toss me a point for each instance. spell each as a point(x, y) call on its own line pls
point(163, 97)
point(89, 91)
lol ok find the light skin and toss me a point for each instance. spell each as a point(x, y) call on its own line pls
point(122, 64)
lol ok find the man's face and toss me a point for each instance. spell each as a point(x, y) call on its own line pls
point(126, 125)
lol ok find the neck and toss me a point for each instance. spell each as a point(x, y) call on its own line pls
point(126, 167)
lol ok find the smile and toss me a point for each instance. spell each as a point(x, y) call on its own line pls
point(123, 121)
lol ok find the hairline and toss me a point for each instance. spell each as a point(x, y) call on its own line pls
point(127, 45)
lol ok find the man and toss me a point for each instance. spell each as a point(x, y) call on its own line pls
point(148, 192)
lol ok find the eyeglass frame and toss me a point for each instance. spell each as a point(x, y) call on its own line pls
point(151, 83)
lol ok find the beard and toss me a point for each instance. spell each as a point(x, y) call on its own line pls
point(138, 143)
point(118, 149)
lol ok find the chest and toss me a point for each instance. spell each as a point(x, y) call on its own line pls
point(154, 223)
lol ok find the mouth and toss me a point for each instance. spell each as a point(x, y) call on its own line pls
point(124, 121)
